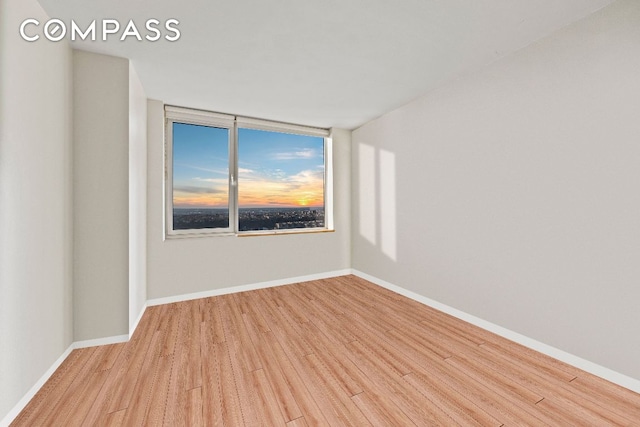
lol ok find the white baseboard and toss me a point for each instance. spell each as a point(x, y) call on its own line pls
point(100, 341)
point(13, 413)
point(578, 362)
point(250, 287)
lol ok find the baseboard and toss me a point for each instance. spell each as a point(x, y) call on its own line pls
point(13, 413)
point(244, 288)
point(101, 341)
point(586, 365)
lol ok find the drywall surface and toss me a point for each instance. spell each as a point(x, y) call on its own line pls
point(512, 193)
point(182, 266)
point(101, 195)
point(137, 197)
point(35, 203)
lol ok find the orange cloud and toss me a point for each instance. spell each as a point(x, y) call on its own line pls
point(303, 189)
point(200, 200)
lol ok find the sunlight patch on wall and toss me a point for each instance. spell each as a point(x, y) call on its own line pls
point(367, 181)
point(388, 203)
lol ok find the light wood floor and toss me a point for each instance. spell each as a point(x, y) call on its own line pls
point(331, 352)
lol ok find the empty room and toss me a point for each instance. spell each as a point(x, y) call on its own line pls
point(326, 213)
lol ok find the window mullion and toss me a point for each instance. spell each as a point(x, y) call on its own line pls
point(233, 179)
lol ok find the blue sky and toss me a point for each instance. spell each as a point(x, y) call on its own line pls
point(274, 169)
point(200, 166)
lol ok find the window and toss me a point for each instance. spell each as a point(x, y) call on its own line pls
point(235, 175)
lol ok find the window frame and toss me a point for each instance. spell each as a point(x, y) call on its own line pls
point(233, 123)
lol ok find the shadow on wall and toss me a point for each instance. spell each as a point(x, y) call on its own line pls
point(377, 198)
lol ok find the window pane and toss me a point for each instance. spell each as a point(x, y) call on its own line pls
point(200, 177)
point(280, 180)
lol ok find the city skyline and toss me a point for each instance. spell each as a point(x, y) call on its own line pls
point(249, 219)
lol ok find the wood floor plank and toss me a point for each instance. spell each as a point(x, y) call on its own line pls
point(273, 370)
point(382, 348)
point(191, 339)
point(458, 404)
point(251, 313)
point(569, 416)
point(133, 359)
point(513, 409)
point(240, 384)
point(236, 331)
point(185, 385)
point(425, 351)
point(609, 394)
point(359, 308)
point(344, 408)
point(109, 358)
point(106, 395)
point(211, 380)
point(559, 390)
point(283, 298)
point(176, 411)
point(421, 350)
point(193, 412)
point(298, 422)
point(359, 327)
point(74, 414)
point(461, 409)
point(141, 394)
point(339, 351)
point(534, 363)
point(331, 356)
point(498, 383)
point(318, 396)
point(45, 399)
point(420, 409)
point(158, 397)
point(328, 321)
point(266, 404)
point(296, 384)
point(114, 419)
point(481, 336)
point(379, 411)
point(538, 383)
point(66, 399)
point(488, 374)
point(281, 325)
point(170, 337)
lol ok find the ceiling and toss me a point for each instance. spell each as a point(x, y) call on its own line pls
point(321, 63)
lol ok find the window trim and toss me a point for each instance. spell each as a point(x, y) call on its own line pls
point(175, 114)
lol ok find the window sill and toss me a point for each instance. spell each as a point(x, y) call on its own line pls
point(246, 234)
point(196, 235)
point(284, 232)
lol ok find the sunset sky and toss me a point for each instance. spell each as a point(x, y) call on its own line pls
point(275, 169)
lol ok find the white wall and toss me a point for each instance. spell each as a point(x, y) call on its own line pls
point(101, 195)
point(35, 203)
point(137, 197)
point(181, 266)
point(512, 193)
